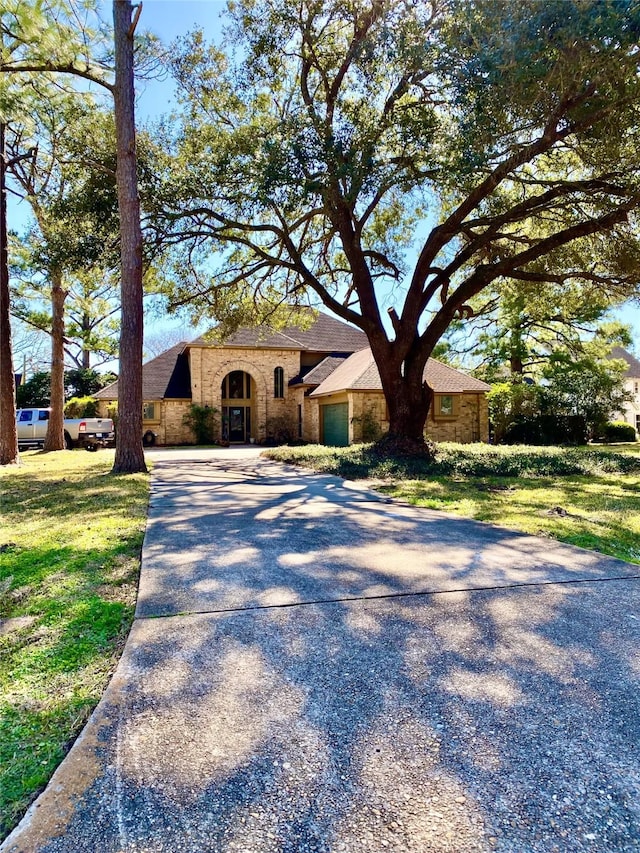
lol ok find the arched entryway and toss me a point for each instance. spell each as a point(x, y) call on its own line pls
point(238, 403)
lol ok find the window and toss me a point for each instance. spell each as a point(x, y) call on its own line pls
point(236, 386)
point(149, 412)
point(638, 423)
point(278, 382)
point(43, 415)
point(445, 408)
point(25, 416)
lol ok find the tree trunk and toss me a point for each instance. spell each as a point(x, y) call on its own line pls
point(86, 351)
point(408, 406)
point(8, 430)
point(408, 398)
point(129, 452)
point(54, 439)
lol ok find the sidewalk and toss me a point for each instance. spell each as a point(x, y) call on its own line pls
point(314, 668)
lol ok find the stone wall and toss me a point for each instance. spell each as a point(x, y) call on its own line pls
point(173, 431)
point(168, 428)
point(209, 366)
point(366, 406)
point(471, 423)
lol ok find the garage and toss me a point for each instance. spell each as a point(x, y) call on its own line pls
point(335, 424)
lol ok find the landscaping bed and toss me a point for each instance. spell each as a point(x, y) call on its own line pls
point(586, 496)
point(69, 566)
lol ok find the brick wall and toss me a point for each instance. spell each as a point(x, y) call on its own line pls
point(210, 365)
point(173, 430)
point(169, 428)
point(471, 423)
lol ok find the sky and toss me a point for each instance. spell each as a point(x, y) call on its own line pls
point(169, 19)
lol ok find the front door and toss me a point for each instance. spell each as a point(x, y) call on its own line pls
point(237, 423)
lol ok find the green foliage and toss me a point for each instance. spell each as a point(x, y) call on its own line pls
point(370, 429)
point(547, 430)
point(81, 407)
point(72, 237)
point(364, 462)
point(508, 402)
point(36, 391)
point(591, 386)
point(313, 151)
point(203, 421)
point(83, 382)
point(371, 132)
point(618, 431)
point(517, 324)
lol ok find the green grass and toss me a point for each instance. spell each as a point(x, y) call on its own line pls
point(69, 565)
point(584, 496)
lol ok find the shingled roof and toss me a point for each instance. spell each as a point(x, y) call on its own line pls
point(319, 373)
point(633, 369)
point(360, 373)
point(325, 334)
point(166, 376)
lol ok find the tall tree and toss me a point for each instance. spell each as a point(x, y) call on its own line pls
point(129, 452)
point(75, 231)
point(69, 51)
point(310, 156)
point(8, 428)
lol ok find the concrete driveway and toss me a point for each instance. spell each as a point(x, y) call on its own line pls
point(313, 668)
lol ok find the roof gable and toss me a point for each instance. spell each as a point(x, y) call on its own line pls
point(360, 373)
point(321, 371)
point(166, 376)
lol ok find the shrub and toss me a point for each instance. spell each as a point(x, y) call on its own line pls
point(369, 425)
point(618, 431)
point(81, 407)
point(280, 430)
point(457, 460)
point(203, 423)
point(546, 430)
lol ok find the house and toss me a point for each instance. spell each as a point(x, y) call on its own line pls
point(319, 384)
point(631, 410)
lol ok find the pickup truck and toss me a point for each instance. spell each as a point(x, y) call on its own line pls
point(90, 433)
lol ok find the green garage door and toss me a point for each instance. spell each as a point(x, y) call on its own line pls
point(335, 424)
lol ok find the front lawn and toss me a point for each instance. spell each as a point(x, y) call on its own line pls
point(69, 564)
point(584, 496)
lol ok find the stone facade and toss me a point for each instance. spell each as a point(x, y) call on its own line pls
point(167, 424)
point(210, 366)
point(469, 423)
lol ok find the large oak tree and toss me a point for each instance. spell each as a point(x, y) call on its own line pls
point(402, 155)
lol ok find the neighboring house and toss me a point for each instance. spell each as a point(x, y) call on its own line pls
point(313, 384)
point(631, 410)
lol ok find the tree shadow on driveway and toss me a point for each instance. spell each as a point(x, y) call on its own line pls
point(327, 672)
